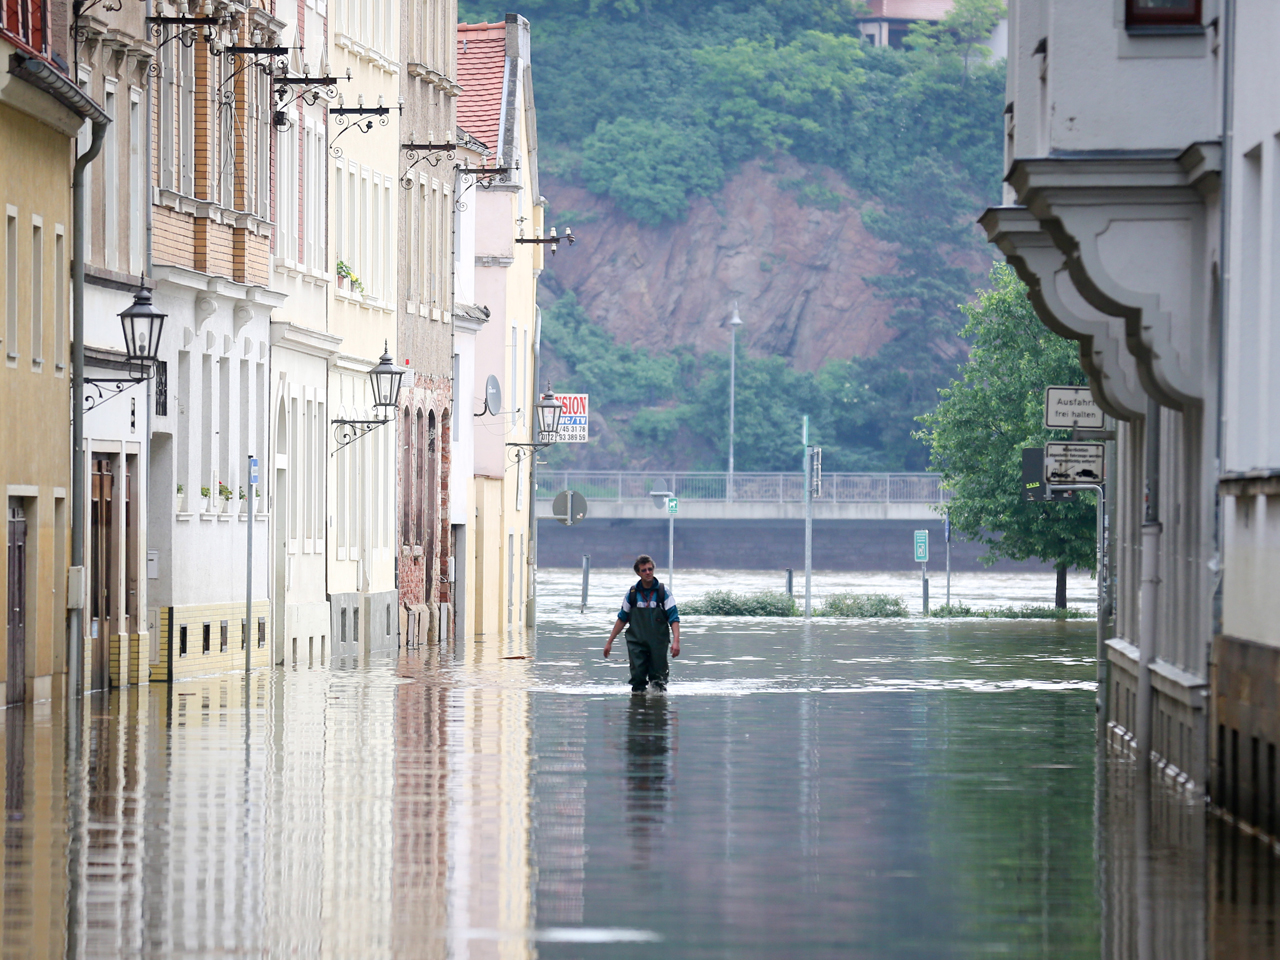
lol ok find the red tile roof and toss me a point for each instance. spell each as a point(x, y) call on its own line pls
point(482, 55)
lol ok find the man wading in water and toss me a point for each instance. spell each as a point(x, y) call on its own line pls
point(652, 621)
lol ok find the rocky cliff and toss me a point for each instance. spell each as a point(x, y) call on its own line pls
point(784, 240)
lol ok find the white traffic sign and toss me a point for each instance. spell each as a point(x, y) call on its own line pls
point(1068, 407)
point(573, 418)
point(1067, 463)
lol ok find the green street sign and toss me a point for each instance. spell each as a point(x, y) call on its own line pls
point(922, 546)
point(673, 505)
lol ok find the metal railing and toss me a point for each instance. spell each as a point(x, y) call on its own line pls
point(747, 487)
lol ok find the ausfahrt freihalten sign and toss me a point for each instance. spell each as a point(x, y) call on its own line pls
point(573, 418)
point(1068, 463)
point(1066, 408)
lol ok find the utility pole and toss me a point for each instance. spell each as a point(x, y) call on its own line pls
point(808, 522)
point(734, 323)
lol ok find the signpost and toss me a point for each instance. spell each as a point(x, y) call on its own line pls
point(921, 543)
point(946, 534)
point(569, 507)
point(1033, 485)
point(1070, 408)
point(1073, 463)
point(573, 417)
point(673, 507)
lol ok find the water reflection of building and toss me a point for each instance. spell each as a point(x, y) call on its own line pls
point(1179, 884)
point(648, 773)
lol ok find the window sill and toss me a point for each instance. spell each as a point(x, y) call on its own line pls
point(366, 53)
point(1165, 30)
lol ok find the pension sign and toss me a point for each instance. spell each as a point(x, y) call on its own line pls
point(573, 418)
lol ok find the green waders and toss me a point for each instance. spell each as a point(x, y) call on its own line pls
point(648, 636)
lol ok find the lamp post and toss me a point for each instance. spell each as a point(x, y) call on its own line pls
point(142, 325)
point(662, 501)
point(548, 409)
point(385, 379)
point(734, 323)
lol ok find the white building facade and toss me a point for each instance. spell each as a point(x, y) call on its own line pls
point(1140, 208)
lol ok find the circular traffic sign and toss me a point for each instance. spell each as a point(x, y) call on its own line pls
point(569, 507)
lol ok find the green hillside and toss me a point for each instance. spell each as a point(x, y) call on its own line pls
point(651, 103)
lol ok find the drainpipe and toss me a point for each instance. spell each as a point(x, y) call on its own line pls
point(531, 609)
point(1148, 596)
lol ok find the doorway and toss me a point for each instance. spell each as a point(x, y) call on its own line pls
point(16, 688)
point(102, 595)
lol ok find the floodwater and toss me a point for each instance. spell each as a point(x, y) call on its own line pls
point(852, 789)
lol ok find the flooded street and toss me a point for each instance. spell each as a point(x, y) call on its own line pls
point(877, 789)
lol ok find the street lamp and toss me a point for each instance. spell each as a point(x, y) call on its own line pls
point(385, 379)
point(142, 324)
point(549, 410)
point(734, 323)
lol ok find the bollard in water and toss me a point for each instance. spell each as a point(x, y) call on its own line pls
point(790, 591)
point(926, 595)
point(586, 580)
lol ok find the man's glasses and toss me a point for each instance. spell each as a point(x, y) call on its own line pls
point(646, 569)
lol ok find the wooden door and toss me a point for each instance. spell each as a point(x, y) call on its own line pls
point(102, 593)
point(16, 687)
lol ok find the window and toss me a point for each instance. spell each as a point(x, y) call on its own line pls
point(182, 640)
point(222, 636)
point(186, 119)
point(59, 299)
point(205, 640)
point(11, 283)
point(138, 199)
point(1162, 13)
point(37, 290)
point(111, 185)
point(244, 632)
point(262, 632)
point(27, 20)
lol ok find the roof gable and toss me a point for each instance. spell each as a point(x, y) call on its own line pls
point(482, 56)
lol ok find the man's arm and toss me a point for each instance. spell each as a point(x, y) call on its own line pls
point(618, 627)
point(675, 638)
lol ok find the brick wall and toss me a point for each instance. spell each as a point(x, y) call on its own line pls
point(173, 238)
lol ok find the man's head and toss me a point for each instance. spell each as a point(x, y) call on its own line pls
point(644, 567)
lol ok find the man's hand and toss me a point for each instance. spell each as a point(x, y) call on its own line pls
point(675, 639)
point(608, 645)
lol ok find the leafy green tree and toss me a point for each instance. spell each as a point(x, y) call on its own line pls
point(961, 32)
point(977, 433)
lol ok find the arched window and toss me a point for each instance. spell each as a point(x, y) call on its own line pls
point(406, 479)
point(429, 490)
point(415, 492)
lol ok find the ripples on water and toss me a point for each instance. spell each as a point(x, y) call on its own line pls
point(837, 789)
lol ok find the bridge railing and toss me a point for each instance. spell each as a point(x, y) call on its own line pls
point(747, 487)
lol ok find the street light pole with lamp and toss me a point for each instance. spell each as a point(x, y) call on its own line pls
point(734, 323)
point(385, 379)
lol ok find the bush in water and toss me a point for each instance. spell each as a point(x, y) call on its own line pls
point(1012, 613)
point(862, 605)
point(726, 603)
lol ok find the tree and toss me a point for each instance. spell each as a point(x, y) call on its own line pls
point(977, 433)
point(958, 33)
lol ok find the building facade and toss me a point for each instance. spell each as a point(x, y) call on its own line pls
point(425, 324)
point(41, 112)
point(497, 109)
point(1145, 234)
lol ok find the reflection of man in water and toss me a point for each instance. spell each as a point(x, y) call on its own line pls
point(648, 746)
point(652, 621)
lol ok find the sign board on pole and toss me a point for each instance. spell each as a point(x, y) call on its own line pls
point(1068, 407)
point(569, 507)
point(673, 505)
point(573, 418)
point(922, 546)
point(253, 469)
point(1073, 462)
point(1033, 485)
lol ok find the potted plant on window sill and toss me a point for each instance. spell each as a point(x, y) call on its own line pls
point(180, 500)
point(205, 500)
point(224, 498)
point(347, 280)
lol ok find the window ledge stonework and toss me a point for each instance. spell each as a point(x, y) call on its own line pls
point(367, 54)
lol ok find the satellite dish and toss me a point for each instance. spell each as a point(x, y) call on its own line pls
point(493, 395)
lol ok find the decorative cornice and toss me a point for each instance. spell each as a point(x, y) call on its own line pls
point(315, 343)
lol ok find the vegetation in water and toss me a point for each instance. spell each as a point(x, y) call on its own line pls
point(1011, 613)
point(726, 603)
point(862, 605)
